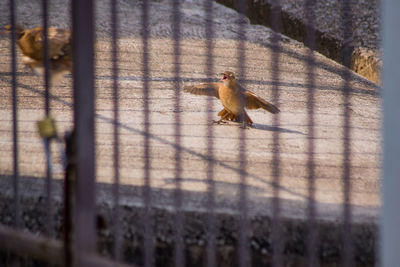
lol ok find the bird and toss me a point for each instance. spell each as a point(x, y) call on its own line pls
point(234, 98)
point(30, 42)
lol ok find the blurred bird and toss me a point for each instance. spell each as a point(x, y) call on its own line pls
point(233, 97)
point(31, 42)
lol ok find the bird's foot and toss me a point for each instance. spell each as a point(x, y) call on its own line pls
point(245, 126)
point(220, 122)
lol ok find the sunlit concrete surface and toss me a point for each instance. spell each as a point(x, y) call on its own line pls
point(292, 132)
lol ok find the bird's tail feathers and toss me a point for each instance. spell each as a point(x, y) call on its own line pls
point(269, 107)
point(247, 118)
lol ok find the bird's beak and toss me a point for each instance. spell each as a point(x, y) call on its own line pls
point(222, 74)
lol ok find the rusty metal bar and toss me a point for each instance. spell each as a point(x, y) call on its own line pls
point(210, 202)
point(148, 221)
point(311, 242)
point(117, 251)
point(179, 256)
point(277, 236)
point(84, 105)
point(94, 260)
point(347, 251)
point(14, 116)
point(24, 243)
point(46, 249)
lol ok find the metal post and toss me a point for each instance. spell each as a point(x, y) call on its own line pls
point(116, 189)
point(179, 255)
point(212, 228)
point(83, 74)
point(311, 243)
point(46, 140)
point(14, 116)
point(148, 220)
point(69, 179)
point(390, 219)
point(347, 254)
point(243, 229)
point(277, 229)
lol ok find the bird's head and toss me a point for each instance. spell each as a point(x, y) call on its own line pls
point(228, 77)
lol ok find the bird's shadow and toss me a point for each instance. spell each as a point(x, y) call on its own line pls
point(263, 127)
point(274, 129)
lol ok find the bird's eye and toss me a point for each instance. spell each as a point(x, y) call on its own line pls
point(224, 78)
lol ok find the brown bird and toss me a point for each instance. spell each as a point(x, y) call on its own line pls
point(30, 41)
point(233, 97)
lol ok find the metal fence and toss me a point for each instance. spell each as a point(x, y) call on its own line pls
point(298, 192)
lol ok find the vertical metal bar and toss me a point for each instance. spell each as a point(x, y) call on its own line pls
point(244, 249)
point(210, 202)
point(148, 226)
point(311, 210)
point(390, 218)
point(69, 177)
point(243, 242)
point(347, 255)
point(114, 50)
point(84, 105)
point(46, 141)
point(14, 116)
point(277, 237)
point(46, 61)
point(49, 209)
point(179, 220)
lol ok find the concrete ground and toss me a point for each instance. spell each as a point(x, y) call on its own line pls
point(292, 130)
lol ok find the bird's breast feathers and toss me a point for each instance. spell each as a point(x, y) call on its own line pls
point(231, 99)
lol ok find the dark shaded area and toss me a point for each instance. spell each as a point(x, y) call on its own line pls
point(328, 246)
point(259, 12)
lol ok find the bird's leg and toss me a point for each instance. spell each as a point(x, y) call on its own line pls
point(223, 117)
point(244, 124)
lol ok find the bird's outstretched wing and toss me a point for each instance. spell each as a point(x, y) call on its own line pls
point(210, 89)
point(31, 42)
point(18, 29)
point(253, 101)
point(59, 42)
